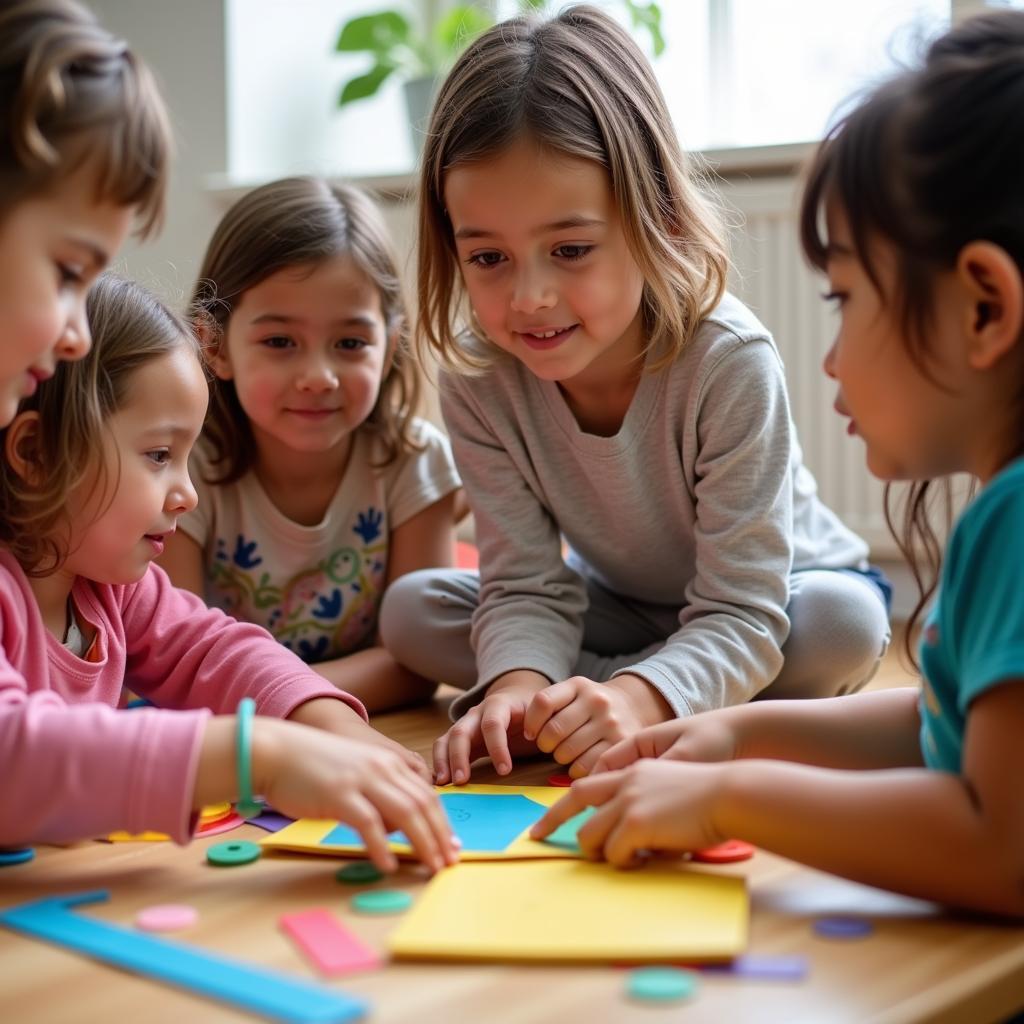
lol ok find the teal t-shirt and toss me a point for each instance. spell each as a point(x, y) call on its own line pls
point(974, 637)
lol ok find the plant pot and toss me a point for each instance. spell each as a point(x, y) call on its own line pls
point(419, 99)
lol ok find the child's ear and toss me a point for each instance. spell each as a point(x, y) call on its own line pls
point(212, 342)
point(21, 446)
point(996, 293)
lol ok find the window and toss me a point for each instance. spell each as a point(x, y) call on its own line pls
point(736, 73)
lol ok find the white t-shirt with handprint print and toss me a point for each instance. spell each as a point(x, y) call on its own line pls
point(317, 588)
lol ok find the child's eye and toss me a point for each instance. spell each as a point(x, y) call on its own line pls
point(352, 344)
point(278, 342)
point(836, 297)
point(573, 252)
point(485, 260)
point(161, 456)
point(69, 275)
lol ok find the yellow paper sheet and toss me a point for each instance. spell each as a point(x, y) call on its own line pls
point(558, 911)
point(305, 835)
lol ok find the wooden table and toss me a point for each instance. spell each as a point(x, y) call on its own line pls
point(919, 965)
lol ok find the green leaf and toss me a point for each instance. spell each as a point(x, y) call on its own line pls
point(376, 33)
point(363, 86)
point(459, 27)
point(648, 16)
point(536, 6)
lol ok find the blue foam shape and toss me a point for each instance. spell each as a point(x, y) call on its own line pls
point(485, 822)
point(250, 986)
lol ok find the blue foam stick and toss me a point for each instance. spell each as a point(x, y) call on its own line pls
point(251, 987)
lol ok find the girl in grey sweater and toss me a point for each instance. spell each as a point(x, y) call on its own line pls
point(651, 545)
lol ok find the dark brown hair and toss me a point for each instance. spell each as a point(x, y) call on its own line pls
point(577, 85)
point(129, 327)
point(930, 161)
point(71, 95)
point(298, 222)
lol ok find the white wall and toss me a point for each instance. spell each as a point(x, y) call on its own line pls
point(183, 43)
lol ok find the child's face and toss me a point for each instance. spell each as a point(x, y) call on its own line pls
point(145, 452)
point(914, 428)
point(52, 246)
point(307, 350)
point(546, 264)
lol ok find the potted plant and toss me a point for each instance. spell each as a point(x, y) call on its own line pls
point(421, 52)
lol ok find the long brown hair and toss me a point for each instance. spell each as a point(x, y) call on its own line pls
point(297, 222)
point(72, 95)
point(577, 85)
point(931, 160)
point(129, 327)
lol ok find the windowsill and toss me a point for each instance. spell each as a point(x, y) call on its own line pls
point(740, 162)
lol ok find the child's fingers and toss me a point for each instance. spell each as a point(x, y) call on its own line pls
point(577, 743)
point(437, 821)
point(406, 808)
point(618, 755)
point(361, 814)
point(494, 725)
point(590, 792)
point(592, 836)
point(417, 764)
point(442, 772)
point(460, 744)
point(622, 842)
point(584, 764)
point(562, 728)
point(544, 704)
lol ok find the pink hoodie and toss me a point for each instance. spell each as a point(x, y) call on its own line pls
point(74, 764)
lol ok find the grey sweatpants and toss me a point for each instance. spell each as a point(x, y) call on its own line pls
point(839, 631)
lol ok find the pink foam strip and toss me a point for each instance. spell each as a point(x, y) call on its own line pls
point(326, 942)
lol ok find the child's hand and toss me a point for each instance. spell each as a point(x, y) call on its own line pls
point(706, 737)
point(337, 717)
point(654, 806)
point(576, 721)
point(308, 773)
point(493, 727)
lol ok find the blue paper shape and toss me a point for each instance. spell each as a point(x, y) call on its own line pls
point(248, 986)
point(485, 822)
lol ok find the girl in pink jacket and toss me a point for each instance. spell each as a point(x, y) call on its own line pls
point(93, 478)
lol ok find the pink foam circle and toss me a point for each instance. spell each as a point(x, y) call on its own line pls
point(166, 917)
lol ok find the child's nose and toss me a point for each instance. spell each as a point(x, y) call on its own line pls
point(318, 375)
point(76, 339)
point(183, 498)
point(829, 366)
point(532, 291)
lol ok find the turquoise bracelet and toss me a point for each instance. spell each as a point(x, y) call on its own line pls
point(246, 805)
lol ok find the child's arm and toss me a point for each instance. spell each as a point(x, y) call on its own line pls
point(307, 773)
point(427, 540)
point(862, 731)
point(958, 839)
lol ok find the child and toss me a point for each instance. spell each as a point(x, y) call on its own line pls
point(610, 394)
point(920, 194)
point(85, 151)
point(317, 485)
point(93, 478)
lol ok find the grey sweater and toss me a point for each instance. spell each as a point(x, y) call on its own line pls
point(700, 502)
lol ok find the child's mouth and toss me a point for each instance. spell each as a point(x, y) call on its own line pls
point(547, 339)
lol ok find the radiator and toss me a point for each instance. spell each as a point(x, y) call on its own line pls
point(771, 276)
